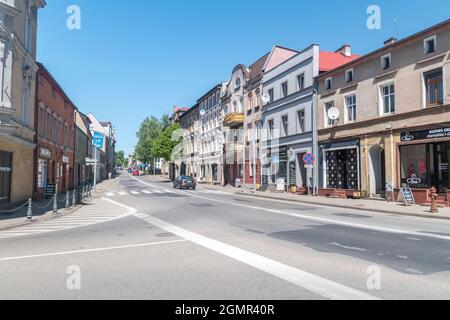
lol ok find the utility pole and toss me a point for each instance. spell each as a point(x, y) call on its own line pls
point(95, 169)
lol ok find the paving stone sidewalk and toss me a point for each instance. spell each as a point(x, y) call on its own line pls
point(43, 210)
point(357, 204)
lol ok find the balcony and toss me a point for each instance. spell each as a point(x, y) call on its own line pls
point(234, 120)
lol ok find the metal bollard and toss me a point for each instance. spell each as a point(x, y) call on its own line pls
point(67, 199)
point(74, 197)
point(90, 191)
point(55, 204)
point(30, 210)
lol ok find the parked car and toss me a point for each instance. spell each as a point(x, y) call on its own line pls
point(136, 173)
point(184, 182)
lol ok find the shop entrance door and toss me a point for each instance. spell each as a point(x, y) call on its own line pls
point(5, 176)
point(441, 157)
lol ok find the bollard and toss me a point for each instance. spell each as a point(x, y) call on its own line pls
point(30, 211)
point(434, 207)
point(90, 191)
point(67, 200)
point(55, 204)
point(74, 197)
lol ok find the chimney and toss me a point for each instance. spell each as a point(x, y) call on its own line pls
point(346, 50)
point(390, 41)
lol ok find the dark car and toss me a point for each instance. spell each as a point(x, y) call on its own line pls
point(184, 182)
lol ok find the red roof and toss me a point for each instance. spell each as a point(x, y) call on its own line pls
point(332, 60)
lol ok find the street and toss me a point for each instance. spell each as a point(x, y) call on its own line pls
point(146, 240)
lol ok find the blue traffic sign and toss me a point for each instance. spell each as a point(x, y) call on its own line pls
point(309, 159)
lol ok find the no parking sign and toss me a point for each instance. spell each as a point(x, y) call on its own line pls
point(309, 159)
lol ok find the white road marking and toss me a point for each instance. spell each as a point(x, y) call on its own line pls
point(308, 281)
point(346, 247)
point(158, 191)
point(135, 193)
point(110, 194)
point(147, 192)
point(123, 193)
point(90, 250)
point(169, 191)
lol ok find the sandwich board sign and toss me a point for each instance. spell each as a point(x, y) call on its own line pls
point(406, 195)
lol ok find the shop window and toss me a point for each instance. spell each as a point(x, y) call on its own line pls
point(42, 174)
point(414, 166)
point(434, 87)
point(342, 169)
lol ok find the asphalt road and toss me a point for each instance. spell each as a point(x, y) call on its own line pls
point(172, 244)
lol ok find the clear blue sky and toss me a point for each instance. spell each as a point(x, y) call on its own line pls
point(137, 58)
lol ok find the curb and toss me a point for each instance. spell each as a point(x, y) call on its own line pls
point(344, 206)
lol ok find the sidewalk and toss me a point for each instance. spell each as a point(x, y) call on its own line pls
point(360, 204)
point(43, 210)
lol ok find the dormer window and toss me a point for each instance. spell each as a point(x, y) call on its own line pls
point(430, 45)
point(237, 84)
point(328, 83)
point(349, 75)
point(386, 61)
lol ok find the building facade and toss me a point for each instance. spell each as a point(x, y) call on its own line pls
point(211, 138)
point(55, 123)
point(384, 120)
point(288, 114)
point(83, 150)
point(189, 122)
point(18, 26)
point(99, 148)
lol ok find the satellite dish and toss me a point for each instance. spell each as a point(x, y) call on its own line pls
point(202, 112)
point(333, 113)
point(265, 98)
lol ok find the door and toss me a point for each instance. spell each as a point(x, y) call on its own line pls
point(5, 176)
point(441, 156)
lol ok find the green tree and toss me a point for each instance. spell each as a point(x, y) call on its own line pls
point(120, 159)
point(164, 145)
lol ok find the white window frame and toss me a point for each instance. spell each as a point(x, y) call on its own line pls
point(330, 79)
point(347, 73)
point(287, 89)
point(425, 44)
point(272, 96)
point(346, 113)
point(381, 97)
point(327, 125)
point(389, 55)
point(285, 132)
point(299, 129)
point(299, 88)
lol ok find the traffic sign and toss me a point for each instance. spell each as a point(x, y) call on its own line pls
point(276, 159)
point(309, 159)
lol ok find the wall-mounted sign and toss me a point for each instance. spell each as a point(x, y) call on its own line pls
point(99, 139)
point(414, 180)
point(45, 153)
point(65, 159)
point(426, 134)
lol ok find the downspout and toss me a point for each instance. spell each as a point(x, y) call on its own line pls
point(36, 128)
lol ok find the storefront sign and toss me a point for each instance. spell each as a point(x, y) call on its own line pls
point(292, 174)
point(50, 190)
point(65, 159)
point(426, 134)
point(45, 153)
point(406, 195)
point(281, 185)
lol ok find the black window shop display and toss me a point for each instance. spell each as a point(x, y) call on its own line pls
point(342, 169)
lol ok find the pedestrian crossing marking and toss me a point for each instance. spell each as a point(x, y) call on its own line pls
point(123, 193)
point(110, 194)
point(147, 192)
point(135, 193)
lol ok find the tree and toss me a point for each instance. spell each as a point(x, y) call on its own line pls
point(150, 131)
point(120, 159)
point(164, 145)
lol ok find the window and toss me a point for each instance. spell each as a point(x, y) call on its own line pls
point(301, 82)
point(271, 128)
point(237, 84)
point(284, 89)
point(349, 75)
point(42, 174)
point(285, 123)
point(328, 83)
point(301, 121)
point(271, 97)
point(350, 103)
point(386, 61)
point(388, 99)
point(54, 93)
point(329, 122)
point(430, 45)
point(434, 87)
